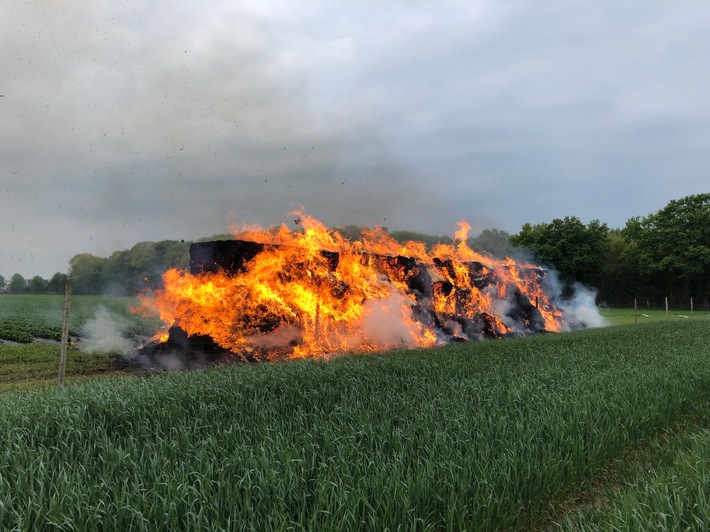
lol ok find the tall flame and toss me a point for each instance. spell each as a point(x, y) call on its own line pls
point(312, 292)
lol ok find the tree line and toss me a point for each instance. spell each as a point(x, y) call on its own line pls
point(17, 284)
point(664, 254)
point(123, 273)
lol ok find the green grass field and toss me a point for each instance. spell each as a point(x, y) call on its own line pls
point(512, 434)
point(26, 361)
point(24, 317)
point(627, 316)
point(36, 365)
point(662, 485)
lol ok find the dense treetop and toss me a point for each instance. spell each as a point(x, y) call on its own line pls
point(665, 254)
point(670, 249)
point(576, 250)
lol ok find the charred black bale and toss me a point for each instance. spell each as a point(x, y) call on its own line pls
point(483, 325)
point(179, 340)
point(181, 351)
point(525, 314)
point(228, 255)
point(403, 269)
point(481, 275)
point(232, 256)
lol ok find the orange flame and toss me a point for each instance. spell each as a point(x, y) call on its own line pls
point(312, 292)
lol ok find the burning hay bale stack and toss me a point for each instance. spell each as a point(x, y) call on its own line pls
point(288, 294)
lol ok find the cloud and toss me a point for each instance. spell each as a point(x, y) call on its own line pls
point(151, 122)
point(541, 111)
point(138, 121)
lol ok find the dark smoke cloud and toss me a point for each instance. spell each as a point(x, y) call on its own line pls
point(141, 121)
point(146, 120)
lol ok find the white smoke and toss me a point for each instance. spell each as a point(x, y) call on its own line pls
point(281, 337)
point(501, 308)
point(104, 333)
point(385, 321)
point(581, 308)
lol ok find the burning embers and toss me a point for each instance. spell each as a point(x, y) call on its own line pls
point(314, 293)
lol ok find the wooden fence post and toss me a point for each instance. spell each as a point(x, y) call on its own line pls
point(65, 333)
point(691, 306)
point(666, 307)
point(635, 315)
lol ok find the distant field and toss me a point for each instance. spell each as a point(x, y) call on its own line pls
point(26, 361)
point(24, 317)
point(625, 316)
point(485, 435)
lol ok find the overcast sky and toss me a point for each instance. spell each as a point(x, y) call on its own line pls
point(150, 120)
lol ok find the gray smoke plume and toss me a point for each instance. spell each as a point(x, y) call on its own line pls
point(104, 333)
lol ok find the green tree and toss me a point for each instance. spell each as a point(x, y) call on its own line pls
point(127, 271)
point(149, 260)
point(619, 276)
point(430, 240)
point(3, 282)
point(494, 242)
point(172, 254)
point(18, 284)
point(671, 249)
point(87, 274)
point(57, 283)
point(576, 251)
point(119, 274)
point(37, 284)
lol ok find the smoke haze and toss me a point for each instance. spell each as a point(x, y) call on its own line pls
point(105, 333)
point(385, 322)
point(131, 121)
point(177, 125)
point(581, 308)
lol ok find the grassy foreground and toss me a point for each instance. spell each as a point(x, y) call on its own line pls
point(485, 435)
point(661, 485)
point(36, 365)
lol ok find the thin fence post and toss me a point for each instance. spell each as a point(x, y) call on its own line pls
point(691, 306)
point(316, 332)
point(65, 333)
point(635, 309)
point(666, 307)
